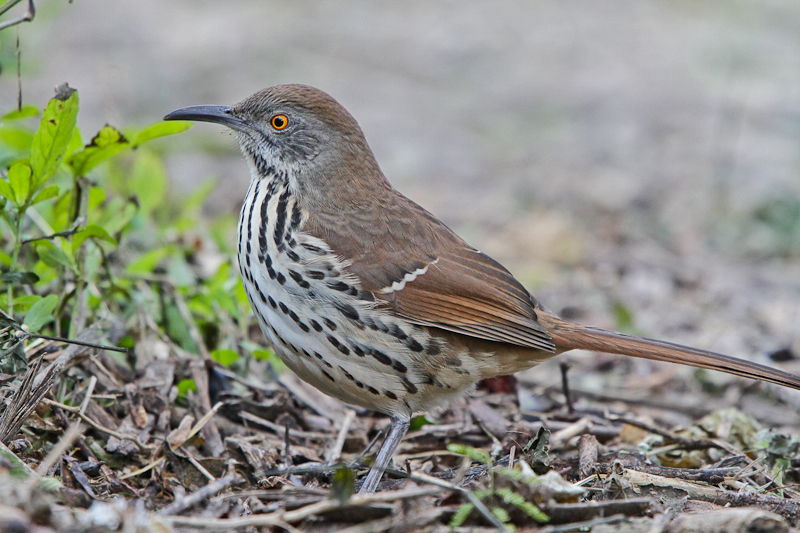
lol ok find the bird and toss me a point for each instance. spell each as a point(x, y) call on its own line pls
point(370, 298)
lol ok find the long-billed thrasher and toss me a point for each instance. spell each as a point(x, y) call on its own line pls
point(366, 295)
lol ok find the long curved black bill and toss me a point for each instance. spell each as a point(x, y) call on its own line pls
point(218, 114)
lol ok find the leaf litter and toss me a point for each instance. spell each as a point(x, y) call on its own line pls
point(91, 442)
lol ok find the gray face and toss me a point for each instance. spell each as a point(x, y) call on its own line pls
point(279, 135)
point(304, 135)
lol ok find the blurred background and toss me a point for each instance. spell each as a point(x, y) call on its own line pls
point(636, 164)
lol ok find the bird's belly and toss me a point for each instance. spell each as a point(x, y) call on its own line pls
point(326, 329)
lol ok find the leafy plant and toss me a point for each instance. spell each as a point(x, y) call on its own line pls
point(497, 499)
point(88, 230)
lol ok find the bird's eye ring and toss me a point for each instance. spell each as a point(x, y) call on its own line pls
point(279, 122)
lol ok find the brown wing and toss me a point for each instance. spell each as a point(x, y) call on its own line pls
point(430, 276)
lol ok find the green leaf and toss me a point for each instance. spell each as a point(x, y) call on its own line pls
point(18, 139)
point(40, 313)
point(624, 317)
point(116, 214)
point(192, 204)
point(178, 329)
point(224, 357)
point(148, 260)
point(50, 484)
point(501, 514)
point(92, 230)
point(263, 355)
point(18, 114)
point(18, 469)
point(186, 385)
point(26, 301)
point(22, 278)
point(75, 142)
point(534, 512)
point(19, 178)
point(160, 129)
point(5, 190)
point(473, 453)
point(55, 131)
point(45, 194)
point(461, 515)
point(418, 422)
point(106, 143)
point(53, 256)
point(342, 485)
point(148, 181)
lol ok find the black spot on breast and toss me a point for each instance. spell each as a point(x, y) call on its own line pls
point(281, 278)
point(410, 387)
point(271, 272)
point(305, 352)
point(338, 345)
point(414, 345)
point(398, 333)
point(261, 294)
point(359, 384)
point(272, 302)
point(347, 310)
point(298, 278)
point(357, 350)
point(296, 216)
point(328, 376)
point(315, 274)
point(293, 256)
point(381, 357)
point(318, 356)
point(347, 374)
point(389, 394)
point(327, 364)
point(262, 236)
point(373, 390)
point(297, 320)
point(400, 367)
point(333, 340)
point(267, 260)
point(338, 285)
point(313, 249)
point(328, 322)
point(366, 296)
point(433, 348)
point(280, 218)
point(315, 325)
point(284, 309)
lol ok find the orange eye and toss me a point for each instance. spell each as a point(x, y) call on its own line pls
point(279, 122)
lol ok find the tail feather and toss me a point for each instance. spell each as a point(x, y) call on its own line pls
point(569, 336)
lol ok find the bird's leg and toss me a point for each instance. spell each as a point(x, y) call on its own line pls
point(397, 431)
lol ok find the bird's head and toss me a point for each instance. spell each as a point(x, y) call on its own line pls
point(293, 129)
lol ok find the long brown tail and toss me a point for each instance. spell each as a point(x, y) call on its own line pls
point(569, 336)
